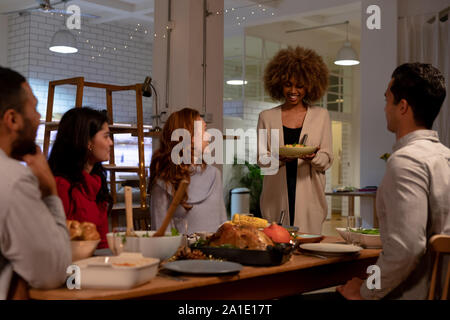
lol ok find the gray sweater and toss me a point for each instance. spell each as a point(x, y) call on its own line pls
point(34, 241)
point(205, 194)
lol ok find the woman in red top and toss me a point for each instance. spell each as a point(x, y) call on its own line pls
point(82, 143)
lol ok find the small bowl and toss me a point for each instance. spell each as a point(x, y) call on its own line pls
point(83, 249)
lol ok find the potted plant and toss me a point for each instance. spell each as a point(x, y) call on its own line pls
point(249, 176)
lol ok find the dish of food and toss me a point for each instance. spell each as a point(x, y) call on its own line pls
point(82, 231)
point(84, 239)
point(247, 245)
point(144, 242)
point(296, 150)
point(367, 238)
point(203, 267)
point(125, 271)
point(366, 231)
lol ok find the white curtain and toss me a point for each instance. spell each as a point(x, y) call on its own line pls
point(421, 40)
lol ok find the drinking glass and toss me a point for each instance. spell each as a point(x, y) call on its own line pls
point(181, 223)
point(353, 222)
point(118, 245)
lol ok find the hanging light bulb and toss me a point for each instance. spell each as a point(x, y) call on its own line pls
point(347, 56)
point(63, 41)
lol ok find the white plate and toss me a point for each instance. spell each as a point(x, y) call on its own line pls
point(370, 241)
point(331, 248)
point(125, 271)
point(203, 266)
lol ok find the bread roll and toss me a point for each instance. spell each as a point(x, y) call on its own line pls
point(89, 231)
point(75, 230)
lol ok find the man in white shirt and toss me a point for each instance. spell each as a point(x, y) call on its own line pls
point(413, 200)
point(34, 241)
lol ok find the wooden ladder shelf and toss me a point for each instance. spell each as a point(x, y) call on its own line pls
point(136, 130)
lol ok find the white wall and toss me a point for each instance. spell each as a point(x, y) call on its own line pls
point(29, 37)
point(378, 61)
point(3, 41)
point(416, 7)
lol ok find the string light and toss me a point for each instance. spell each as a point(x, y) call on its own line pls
point(239, 19)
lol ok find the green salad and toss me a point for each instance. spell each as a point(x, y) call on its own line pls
point(366, 231)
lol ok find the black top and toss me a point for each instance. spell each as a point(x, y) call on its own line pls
point(291, 136)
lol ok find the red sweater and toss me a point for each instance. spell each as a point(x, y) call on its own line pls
point(80, 205)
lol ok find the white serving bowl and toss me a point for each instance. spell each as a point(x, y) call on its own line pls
point(154, 247)
point(126, 271)
point(118, 242)
point(83, 249)
point(366, 240)
point(159, 247)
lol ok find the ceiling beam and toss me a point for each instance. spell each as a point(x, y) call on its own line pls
point(113, 6)
point(14, 6)
point(267, 3)
point(141, 14)
point(122, 17)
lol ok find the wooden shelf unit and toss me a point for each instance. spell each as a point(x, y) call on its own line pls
point(135, 130)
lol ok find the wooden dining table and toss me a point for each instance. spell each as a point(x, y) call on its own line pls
point(302, 273)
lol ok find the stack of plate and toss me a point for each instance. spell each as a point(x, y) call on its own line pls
point(330, 249)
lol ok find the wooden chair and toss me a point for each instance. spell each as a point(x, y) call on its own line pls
point(18, 289)
point(440, 244)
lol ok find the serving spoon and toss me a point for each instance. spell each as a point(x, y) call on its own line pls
point(179, 194)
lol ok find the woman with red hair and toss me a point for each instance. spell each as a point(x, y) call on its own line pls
point(203, 207)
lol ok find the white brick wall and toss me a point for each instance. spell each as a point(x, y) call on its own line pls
point(29, 37)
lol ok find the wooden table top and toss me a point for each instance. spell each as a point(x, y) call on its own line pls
point(161, 284)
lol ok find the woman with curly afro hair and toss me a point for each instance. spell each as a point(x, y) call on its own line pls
point(297, 77)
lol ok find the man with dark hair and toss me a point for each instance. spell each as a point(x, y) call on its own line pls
point(34, 241)
point(413, 200)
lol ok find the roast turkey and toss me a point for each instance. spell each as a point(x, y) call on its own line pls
point(240, 236)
